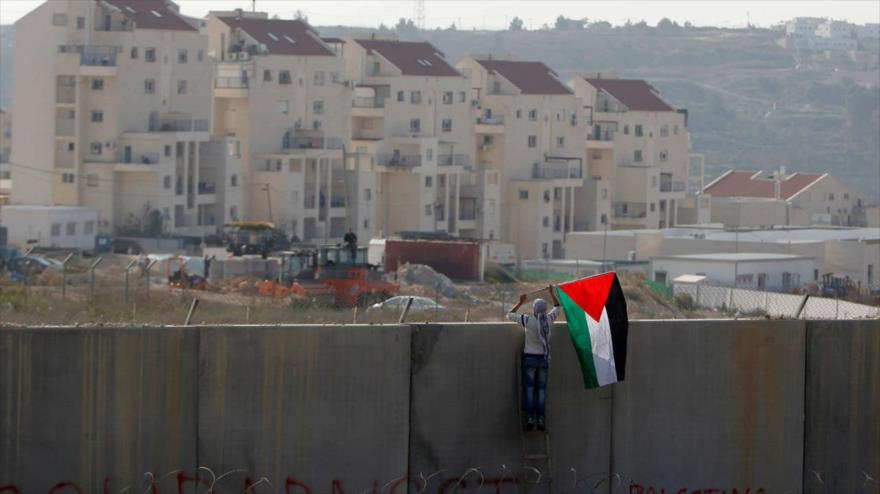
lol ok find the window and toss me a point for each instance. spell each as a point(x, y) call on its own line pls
point(415, 125)
point(71, 228)
point(523, 194)
point(447, 97)
point(182, 55)
point(462, 96)
point(233, 212)
point(316, 125)
point(533, 141)
point(181, 87)
point(675, 130)
point(595, 155)
point(166, 181)
point(558, 116)
point(80, 23)
point(68, 178)
point(518, 113)
point(319, 78)
point(415, 97)
point(59, 19)
point(96, 148)
point(168, 150)
point(89, 227)
point(441, 180)
point(91, 180)
point(560, 142)
point(401, 96)
point(626, 129)
point(447, 124)
point(134, 52)
point(429, 154)
point(377, 68)
point(831, 196)
point(574, 119)
point(638, 131)
point(533, 115)
point(149, 86)
point(267, 75)
point(318, 107)
point(97, 84)
point(366, 223)
point(335, 77)
point(604, 219)
point(368, 195)
point(429, 210)
point(654, 182)
point(846, 196)
point(496, 87)
point(97, 116)
point(71, 146)
point(546, 221)
point(652, 207)
point(55, 230)
point(283, 106)
point(637, 155)
point(664, 155)
point(284, 77)
point(604, 193)
point(150, 54)
point(233, 180)
point(429, 181)
point(200, 55)
point(664, 131)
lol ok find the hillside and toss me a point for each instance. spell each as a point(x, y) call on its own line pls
point(751, 103)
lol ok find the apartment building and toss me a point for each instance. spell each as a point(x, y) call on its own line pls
point(529, 140)
point(412, 124)
point(5, 151)
point(281, 90)
point(640, 145)
point(111, 112)
point(748, 198)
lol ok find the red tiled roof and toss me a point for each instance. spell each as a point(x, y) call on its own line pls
point(636, 94)
point(274, 33)
point(412, 58)
point(744, 183)
point(529, 77)
point(151, 14)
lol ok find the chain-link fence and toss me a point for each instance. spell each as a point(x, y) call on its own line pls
point(755, 303)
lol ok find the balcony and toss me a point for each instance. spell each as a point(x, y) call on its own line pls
point(291, 142)
point(368, 107)
point(600, 138)
point(240, 82)
point(98, 61)
point(556, 171)
point(399, 160)
point(453, 160)
point(207, 188)
point(490, 125)
point(672, 186)
point(630, 210)
point(177, 124)
point(137, 158)
point(65, 127)
point(337, 202)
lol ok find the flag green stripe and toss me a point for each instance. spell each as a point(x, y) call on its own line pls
point(579, 333)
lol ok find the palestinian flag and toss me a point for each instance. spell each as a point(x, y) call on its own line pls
point(595, 311)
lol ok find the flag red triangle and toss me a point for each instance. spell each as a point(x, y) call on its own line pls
point(591, 293)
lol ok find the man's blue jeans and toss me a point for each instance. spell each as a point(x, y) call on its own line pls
point(534, 385)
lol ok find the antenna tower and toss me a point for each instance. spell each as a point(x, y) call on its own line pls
point(420, 14)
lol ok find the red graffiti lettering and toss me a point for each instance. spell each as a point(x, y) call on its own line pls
point(499, 482)
point(683, 490)
point(106, 485)
point(60, 486)
point(759, 491)
point(636, 489)
point(183, 479)
point(291, 482)
point(11, 489)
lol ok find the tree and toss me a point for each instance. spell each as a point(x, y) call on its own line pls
point(602, 25)
point(665, 24)
point(516, 24)
point(301, 16)
point(452, 27)
point(565, 24)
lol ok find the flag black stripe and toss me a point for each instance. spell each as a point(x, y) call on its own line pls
point(615, 307)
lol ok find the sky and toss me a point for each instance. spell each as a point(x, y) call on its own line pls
point(496, 14)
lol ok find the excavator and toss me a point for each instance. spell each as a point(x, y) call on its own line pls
point(329, 275)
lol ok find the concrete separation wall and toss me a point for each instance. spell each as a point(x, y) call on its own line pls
point(712, 405)
point(843, 407)
point(99, 408)
point(708, 406)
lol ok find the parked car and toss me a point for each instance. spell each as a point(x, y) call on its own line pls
point(32, 265)
point(418, 304)
point(126, 246)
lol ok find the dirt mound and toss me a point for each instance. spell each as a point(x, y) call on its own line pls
point(242, 285)
point(424, 277)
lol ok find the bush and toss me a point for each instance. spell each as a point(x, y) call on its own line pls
point(685, 302)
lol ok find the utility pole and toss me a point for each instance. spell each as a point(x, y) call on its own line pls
point(253, 5)
point(268, 192)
